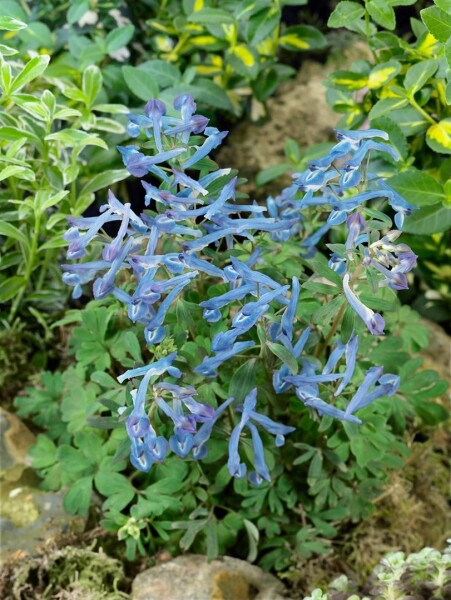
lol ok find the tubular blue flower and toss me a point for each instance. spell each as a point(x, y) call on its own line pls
point(398, 203)
point(361, 134)
point(289, 315)
point(351, 356)
point(228, 297)
point(337, 263)
point(111, 250)
point(261, 472)
point(276, 429)
point(214, 139)
point(236, 467)
point(154, 331)
point(322, 408)
point(335, 218)
point(203, 434)
point(78, 243)
point(156, 368)
point(355, 224)
point(188, 182)
point(252, 311)
point(105, 285)
point(389, 385)
point(138, 164)
point(210, 364)
point(372, 320)
point(154, 110)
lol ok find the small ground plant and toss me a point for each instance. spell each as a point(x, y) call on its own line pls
point(235, 332)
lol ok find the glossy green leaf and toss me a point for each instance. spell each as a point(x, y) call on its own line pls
point(438, 22)
point(428, 220)
point(438, 137)
point(141, 83)
point(11, 24)
point(382, 13)
point(417, 187)
point(10, 287)
point(118, 38)
point(345, 13)
point(32, 69)
point(418, 74)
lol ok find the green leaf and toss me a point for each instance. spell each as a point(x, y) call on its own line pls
point(103, 180)
point(32, 69)
point(263, 24)
point(92, 81)
point(438, 22)
point(448, 52)
point(44, 453)
point(211, 16)
point(345, 13)
point(243, 380)
point(77, 10)
point(397, 137)
point(419, 74)
point(382, 13)
point(438, 137)
point(253, 538)
point(212, 539)
point(383, 73)
point(77, 138)
point(285, 356)
point(387, 105)
point(78, 498)
point(428, 220)
point(244, 60)
point(409, 120)
point(208, 92)
point(11, 24)
point(348, 80)
point(302, 37)
point(11, 231)
point(10, 287)
point(118, 38)
point(272, 173)
point(417, 187)
point(165, 73)
point(138, 81)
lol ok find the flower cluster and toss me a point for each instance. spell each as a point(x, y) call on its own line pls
point(165, 249)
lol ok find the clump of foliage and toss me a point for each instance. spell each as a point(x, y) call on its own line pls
point(48, 169)
point(405, 89)
point(222, 52)
point(303, 350)
point(424, 574)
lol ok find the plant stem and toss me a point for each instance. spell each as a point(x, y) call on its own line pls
point(422, 112)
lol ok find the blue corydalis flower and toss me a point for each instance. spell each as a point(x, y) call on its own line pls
point(249, 417)
point(372, 320)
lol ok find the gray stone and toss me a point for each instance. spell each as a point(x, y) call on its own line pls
point(29, 517)
point(192, 577)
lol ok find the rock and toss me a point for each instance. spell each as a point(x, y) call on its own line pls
point(298, 111)
point(15, 441)
point(192, 577)
point(29, 517)
point(437, 355)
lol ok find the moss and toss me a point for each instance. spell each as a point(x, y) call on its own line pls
point(70, 573)
point(410, 514)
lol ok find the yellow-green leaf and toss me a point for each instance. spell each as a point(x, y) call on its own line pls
point(382, 74)
point(348, 80)
point(438, 137)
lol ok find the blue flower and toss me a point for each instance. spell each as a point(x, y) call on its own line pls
point(210, 364)
point(372, 320)
point(214, 139)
